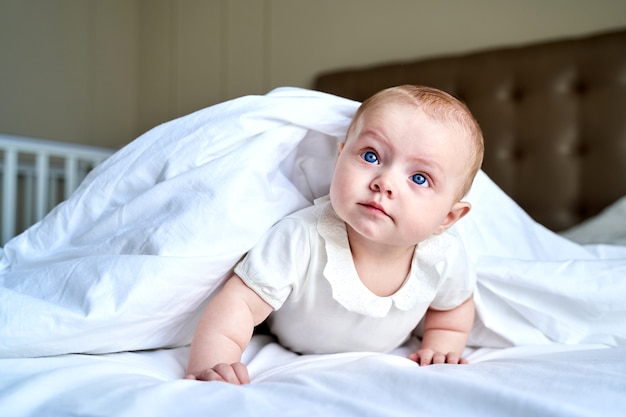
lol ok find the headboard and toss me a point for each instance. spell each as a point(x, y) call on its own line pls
point(553, 115)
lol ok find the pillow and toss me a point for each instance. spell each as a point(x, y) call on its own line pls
point(609, 226)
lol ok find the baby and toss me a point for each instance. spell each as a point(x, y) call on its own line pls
point(359, 269)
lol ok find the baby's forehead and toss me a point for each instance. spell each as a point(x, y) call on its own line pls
point(398, 108)
point(448, 130)
point(383, 111)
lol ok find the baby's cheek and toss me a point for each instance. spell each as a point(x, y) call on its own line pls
point(338, 188)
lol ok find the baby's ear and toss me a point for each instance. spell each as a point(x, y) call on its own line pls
point(457, 212)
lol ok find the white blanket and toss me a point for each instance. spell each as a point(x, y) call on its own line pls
point(547, 380)
point(128, 262)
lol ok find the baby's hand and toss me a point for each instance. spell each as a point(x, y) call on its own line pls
point(235, 373)
point(430, 357)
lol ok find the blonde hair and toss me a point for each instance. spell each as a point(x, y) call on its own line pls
point(442, 107)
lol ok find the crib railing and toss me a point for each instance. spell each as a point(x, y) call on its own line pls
point(38, 174)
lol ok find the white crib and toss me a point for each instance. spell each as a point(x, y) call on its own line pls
point(38, 174)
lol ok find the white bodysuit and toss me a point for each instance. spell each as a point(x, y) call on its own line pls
point(303, 268)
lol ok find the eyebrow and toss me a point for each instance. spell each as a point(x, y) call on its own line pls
point(431, 167)
point(376, 133)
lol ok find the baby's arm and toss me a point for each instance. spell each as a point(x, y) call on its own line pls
point(223, 333)
point(445, 335)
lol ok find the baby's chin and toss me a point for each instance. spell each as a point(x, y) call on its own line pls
point(386, 240)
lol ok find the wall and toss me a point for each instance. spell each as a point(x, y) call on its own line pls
point(68, 69)
point(103, 71)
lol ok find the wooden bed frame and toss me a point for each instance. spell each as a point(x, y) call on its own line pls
point(553, 115)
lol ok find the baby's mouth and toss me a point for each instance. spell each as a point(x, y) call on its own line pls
point(374, 206)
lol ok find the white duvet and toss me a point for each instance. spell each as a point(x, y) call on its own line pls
point(128, 261)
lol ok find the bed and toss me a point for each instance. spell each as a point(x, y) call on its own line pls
point(99, 299)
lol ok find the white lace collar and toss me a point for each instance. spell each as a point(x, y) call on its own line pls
point(347, 288)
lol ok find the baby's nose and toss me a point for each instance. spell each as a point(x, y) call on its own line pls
point(383, 185)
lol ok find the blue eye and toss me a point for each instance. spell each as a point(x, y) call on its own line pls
point(370, 157)
point(420, 179)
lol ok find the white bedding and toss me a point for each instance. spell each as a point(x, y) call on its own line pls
point(127, 263)
point(607, 227)
point(523, 381)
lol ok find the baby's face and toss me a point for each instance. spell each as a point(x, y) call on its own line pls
point(398, 174)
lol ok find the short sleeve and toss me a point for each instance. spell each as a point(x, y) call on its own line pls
point(276, 266)
point(457, 276)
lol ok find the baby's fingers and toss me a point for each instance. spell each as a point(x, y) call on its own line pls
point(237, 374)
point(423, 356)
point(454, 358)
point(429, 357)
point(241, 371)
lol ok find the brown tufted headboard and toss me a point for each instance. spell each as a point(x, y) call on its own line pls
point(553, 115)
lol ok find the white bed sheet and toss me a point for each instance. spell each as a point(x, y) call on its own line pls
point(546, 380)
point(121, 267)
